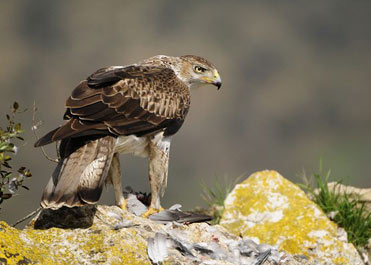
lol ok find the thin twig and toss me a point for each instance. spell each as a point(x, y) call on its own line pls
point(57, 150)
point(34, 129)
point(27, 216)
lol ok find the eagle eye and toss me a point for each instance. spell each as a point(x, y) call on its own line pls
point(199, 69)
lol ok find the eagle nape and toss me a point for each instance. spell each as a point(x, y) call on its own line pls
point(133, 109)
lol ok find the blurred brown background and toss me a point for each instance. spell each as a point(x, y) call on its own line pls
point(296, 84)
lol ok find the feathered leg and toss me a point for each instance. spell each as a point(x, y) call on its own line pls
point(114, 175)
point(159, 147)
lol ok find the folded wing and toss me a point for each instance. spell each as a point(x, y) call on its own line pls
point(128, 100)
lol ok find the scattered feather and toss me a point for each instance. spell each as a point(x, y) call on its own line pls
point(175, 207)
point(124, 224)
point(203, 249)
point(166, 216)
point(182, 248)
point(114, 215)
point(135, 206)
point(262, 257)
point(157, 248)
point(121, 222)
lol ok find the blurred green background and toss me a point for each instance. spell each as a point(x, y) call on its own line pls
point(296, 84)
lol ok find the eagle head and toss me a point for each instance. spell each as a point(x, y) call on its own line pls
point(196, 71)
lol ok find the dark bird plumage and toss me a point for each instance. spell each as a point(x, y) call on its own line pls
point(135, 100)
point(121, 109)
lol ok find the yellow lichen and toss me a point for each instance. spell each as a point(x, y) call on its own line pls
point(94, 245)
point(297, 219)
point(15, 250)
point(340, 261)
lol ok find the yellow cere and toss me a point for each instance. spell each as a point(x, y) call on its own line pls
point(206, 79)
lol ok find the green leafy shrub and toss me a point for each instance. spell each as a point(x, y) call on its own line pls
point(11, 180)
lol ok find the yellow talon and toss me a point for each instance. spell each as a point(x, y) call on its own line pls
point(151, 211)
point(123, 205)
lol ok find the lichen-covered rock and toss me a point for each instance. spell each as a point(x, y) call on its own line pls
point(270, 208)
point(109, 235)
point(96, 245)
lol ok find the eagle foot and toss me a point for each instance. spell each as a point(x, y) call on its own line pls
point(151, 211)
point(123, 205)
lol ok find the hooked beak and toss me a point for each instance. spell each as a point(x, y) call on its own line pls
point(216, 80)
point(218, 84)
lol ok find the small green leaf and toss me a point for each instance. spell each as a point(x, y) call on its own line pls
point(10, 148)
point(28, 174)
point(3, 146)
point(17, 127)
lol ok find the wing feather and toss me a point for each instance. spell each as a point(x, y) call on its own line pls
point(99, 116)
point(89, 109)
point(79, 103)
point(81, 92)
point(125, 100)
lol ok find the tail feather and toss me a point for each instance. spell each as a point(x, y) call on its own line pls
point(72, 129)
point(79, 176)
point(46, 139)
point(62, 132)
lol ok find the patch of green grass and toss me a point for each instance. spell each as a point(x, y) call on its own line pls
point(347, 211)
point(215, 196)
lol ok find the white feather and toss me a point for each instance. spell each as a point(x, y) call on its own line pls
point(157, 248)
point(132, 144)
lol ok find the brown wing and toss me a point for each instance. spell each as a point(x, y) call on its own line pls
point(121, 101)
